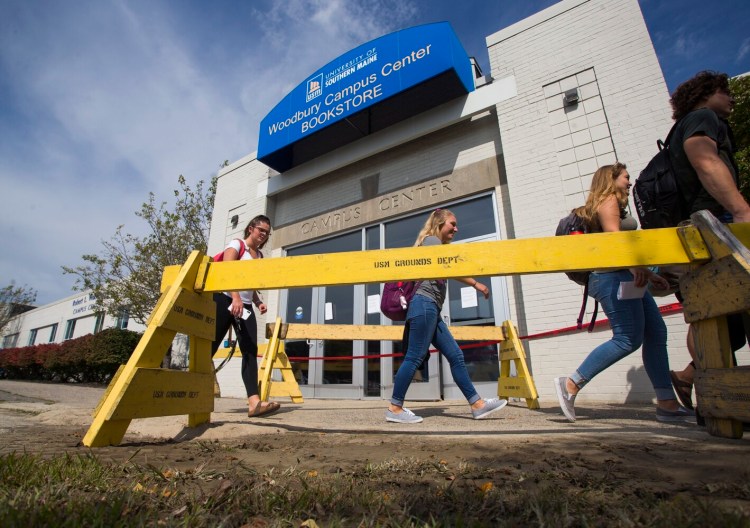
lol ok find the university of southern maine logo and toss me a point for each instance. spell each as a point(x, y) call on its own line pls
point(314, 87)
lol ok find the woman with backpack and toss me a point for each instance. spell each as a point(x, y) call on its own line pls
point(425, 326)
point(635, 320)
point(236, 309)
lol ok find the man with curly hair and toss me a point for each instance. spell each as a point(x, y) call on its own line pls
point(703, 160)
point(703, 150)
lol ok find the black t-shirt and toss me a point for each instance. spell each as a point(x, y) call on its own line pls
point(702, 122)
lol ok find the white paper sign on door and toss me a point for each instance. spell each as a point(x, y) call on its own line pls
point(373, 304)
point(468, 297)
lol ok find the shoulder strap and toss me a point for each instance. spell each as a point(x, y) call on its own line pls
point(686, 201)
point(671, 132)
point(583, 310)
point(242, 248)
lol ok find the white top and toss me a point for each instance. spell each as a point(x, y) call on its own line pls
point(245, 295)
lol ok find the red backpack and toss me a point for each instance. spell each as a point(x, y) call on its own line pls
point(220, 255)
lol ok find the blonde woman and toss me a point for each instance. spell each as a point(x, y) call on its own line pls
point(634, 322)
point(425, 326)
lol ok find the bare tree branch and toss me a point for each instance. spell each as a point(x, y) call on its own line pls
point(14, 300)
point(127, 272)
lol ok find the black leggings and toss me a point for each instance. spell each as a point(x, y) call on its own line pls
point(247, 335)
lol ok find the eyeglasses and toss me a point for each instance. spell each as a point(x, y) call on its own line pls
point(265, 232)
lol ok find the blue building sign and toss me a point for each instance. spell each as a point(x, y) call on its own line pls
point(365, 90)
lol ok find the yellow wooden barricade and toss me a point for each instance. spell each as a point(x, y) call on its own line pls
point(711, 292)
point(140, 388)
point(718, 286)
point(511, 350)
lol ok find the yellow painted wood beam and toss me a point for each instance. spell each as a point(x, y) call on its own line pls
point(108, 428)
point(380, 332)
point(656, 247)
point(506, 257)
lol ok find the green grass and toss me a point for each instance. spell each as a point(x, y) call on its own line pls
point(81, 490)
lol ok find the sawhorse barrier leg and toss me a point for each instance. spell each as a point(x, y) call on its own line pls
point(276, 359)
point(521, 386)
point(141, 389)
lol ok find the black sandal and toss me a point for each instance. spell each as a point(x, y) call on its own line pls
point(683, 389)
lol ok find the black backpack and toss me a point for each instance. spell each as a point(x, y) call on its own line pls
point(656, 193)
point(575, 225)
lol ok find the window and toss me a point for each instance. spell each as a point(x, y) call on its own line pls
point(122, 319)
point(53, 333)
point(70, 327)
point(475, 219)
point(99, 324)
point(10, 341)
point(32, 337)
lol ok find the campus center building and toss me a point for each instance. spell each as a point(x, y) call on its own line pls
point(367, 146)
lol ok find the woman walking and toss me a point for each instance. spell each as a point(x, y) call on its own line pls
point(236, 308)
point(634, 321)
point(426, 326)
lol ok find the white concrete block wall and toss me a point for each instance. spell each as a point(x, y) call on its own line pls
point(603, 48)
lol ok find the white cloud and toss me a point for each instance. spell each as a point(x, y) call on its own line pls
point(744, 50)
point(112, 100)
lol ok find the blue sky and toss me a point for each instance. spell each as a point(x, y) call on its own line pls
point(104, 101)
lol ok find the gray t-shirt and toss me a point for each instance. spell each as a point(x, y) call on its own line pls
point(432, 289)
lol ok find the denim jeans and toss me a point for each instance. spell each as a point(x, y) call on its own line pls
point(634, 322)
point(425, 327)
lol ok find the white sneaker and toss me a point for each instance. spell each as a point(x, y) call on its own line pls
point(565, 399)
point(405, 416)
point(490, 405)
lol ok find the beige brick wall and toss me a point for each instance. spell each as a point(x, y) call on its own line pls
point(239, 190)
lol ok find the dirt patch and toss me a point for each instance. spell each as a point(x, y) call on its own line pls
point(620, 450)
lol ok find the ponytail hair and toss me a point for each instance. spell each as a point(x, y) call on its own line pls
point(433, 224)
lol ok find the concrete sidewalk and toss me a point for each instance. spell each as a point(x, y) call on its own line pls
point(24, 404)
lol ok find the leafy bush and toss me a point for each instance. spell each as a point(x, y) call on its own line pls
point(110, 349)
point(90, 358)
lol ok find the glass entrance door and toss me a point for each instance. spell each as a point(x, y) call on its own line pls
point(345, 368)
point(299, 311)
point(467, 307)
point(325, 375)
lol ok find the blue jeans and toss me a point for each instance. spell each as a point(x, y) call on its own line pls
point(634, 322)
point(425, 327)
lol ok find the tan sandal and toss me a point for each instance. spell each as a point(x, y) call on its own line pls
point(261, 410)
